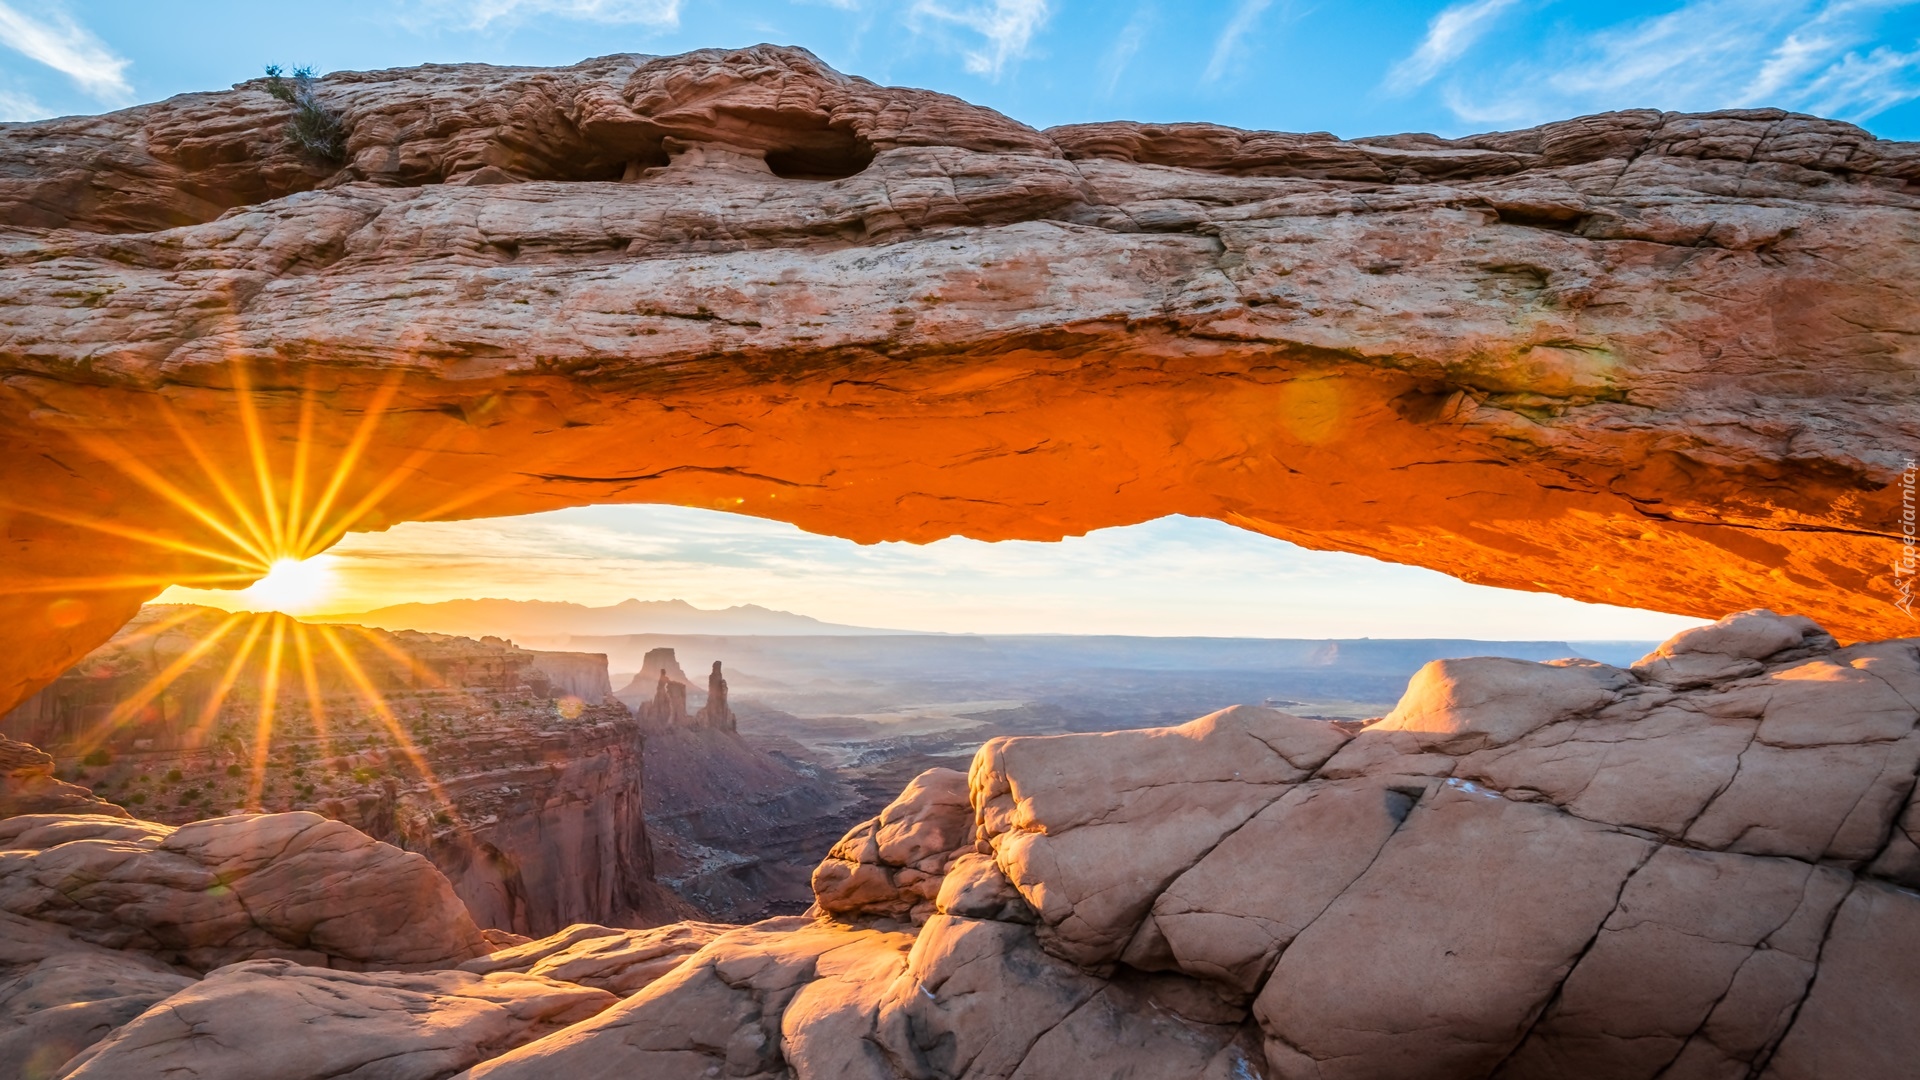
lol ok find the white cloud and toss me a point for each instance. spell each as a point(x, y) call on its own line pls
point(17, 107)
point(1007, 25)
point(1224, 46)
point(1861, 87)
point(69, 48)
point(1449, 36)
point(1126, 46)
point(1819, 56)
point(660, 13)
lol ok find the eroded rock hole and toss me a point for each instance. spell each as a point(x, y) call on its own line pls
point(830, 155)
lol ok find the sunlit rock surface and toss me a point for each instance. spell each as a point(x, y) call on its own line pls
point(247, 886)
point(274, 1018)
point(1639, 881)
point(1648, 359)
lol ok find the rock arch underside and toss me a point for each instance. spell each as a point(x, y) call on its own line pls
point(1648, 359)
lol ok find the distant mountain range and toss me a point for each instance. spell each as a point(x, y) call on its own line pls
point(524, 620)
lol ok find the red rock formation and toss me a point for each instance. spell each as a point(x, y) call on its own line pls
point(1526, 871)
point(235, 888)
point(1640, 358)
point(533, 808)
point(715, 713)
point(575, 674)
point(28, 786)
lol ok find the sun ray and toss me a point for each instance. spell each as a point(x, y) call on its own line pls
point(322, 537)
point(302, 462)
point(146, 477)
point(426, 674)
point(310, 676)
point(348, 460)
point(262, 464)
point(263, 717)
point(218, 699)
point(156, 686)
point(132, 581)
point(155, 628)
point(128, 532)
point(221, 485)
point(378, 703)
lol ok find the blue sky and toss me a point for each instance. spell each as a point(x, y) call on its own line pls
point(1350, 68)
point(1353, 68)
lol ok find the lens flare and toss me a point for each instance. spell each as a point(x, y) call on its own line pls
point(264, 513)
point(292, 586)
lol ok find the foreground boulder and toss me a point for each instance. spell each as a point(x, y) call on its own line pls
point(28, 786)
point(1525, 872)
point(618, 961)
point(59, 995)
point(275, 1020)
point(248, 886)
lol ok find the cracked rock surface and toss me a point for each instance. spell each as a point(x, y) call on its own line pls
point(1524, 872)
point(1641, 358)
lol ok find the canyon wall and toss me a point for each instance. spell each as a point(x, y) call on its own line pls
point(1642, 358)
point(533, 808)
point(543, 828)
point(582, 675)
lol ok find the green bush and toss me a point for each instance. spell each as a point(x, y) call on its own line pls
point(174, 776)
point(233, 770)
point(314, 128)
point(137, 798)
point(97, 757)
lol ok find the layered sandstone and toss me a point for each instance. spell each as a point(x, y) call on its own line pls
point(1524, 871)
point(1639, 358)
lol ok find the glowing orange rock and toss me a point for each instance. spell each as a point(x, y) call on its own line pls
point(1647, 359)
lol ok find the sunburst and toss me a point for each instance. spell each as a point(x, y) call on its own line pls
point(265, 521)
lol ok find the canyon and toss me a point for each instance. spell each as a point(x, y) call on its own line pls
point(475, 754)
point(1638, 358)
point(1701, 865)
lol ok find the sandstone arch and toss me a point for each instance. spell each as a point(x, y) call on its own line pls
point(1649, 359)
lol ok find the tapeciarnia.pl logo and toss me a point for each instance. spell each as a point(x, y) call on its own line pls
point(1909, 564)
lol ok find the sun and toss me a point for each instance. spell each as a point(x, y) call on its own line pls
point(291, 586)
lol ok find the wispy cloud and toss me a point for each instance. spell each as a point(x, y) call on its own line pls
point(1449, 35)
point(1228, 43)
point(16, 107)
point(57, 41)
point(1126, 46)
point(1007, 26)
point(483, 13)
point(1820, 56)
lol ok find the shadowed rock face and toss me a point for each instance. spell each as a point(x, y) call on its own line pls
point(1648, 359)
